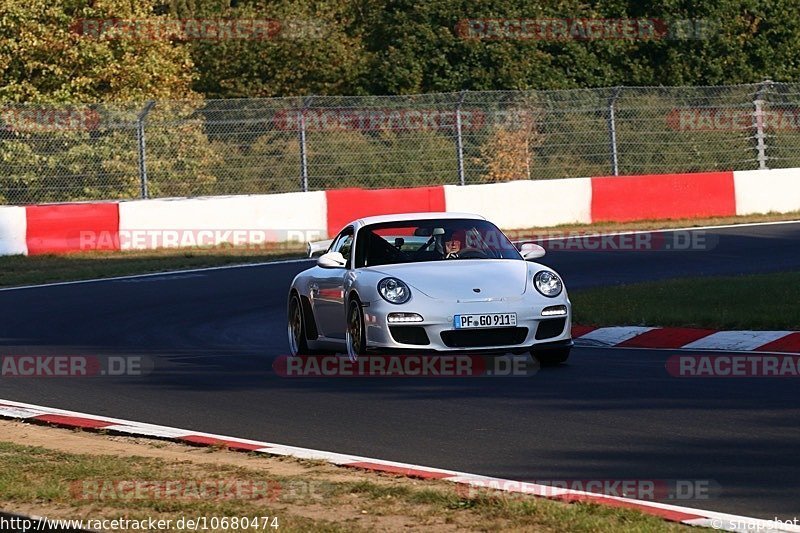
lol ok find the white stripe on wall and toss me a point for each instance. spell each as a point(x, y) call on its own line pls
point(525, 203)
point(275, 217)
point(765, 191)
point(13, 227)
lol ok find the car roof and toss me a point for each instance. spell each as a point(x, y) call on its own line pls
point(414, 216)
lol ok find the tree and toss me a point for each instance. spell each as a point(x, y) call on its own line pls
point(507, 155)
point(306, 50)
point(49, 52)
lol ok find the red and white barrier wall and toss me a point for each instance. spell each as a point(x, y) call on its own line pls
point(63, 228)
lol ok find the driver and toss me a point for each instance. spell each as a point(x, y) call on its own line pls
point(452, 244)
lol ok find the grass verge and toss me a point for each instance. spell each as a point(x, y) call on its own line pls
point(762, 301)
point(32, 270)
point(49, 471)
point(644, 225)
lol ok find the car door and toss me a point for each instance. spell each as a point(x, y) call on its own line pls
point(328, 293)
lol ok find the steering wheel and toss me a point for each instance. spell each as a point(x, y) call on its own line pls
point(472, 253)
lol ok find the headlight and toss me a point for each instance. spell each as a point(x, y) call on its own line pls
point(547, 283)
point(394, 291)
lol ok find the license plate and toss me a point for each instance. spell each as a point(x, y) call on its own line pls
point(487, 320)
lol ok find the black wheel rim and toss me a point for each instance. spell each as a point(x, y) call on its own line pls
point(355, 329)
point(295, 327)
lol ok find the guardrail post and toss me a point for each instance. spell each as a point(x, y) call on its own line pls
point(459, 139)
point(612, 130)
point(301, 121)
point(140, 120)
point(758, 124)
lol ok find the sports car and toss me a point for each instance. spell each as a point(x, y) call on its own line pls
point(428, 282)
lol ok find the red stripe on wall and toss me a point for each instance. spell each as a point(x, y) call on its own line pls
point(61, 228)
point(663, 196)
point(346, 205)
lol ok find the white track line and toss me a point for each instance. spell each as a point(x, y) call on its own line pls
point(153, 274)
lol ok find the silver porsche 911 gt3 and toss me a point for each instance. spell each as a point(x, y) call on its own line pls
point(442, 282)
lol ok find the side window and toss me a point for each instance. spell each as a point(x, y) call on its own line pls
point(343, 244)
point(346, 246)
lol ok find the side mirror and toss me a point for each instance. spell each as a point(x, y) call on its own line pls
point(317, 247)
point(531, 251)
point(331, 260)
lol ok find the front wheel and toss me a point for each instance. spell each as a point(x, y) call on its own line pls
point(356, 336)
point(298, 345)
point(552, 357)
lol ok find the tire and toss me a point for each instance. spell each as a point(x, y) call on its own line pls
point(298, 344)
point(552, 357)
point(356, 335)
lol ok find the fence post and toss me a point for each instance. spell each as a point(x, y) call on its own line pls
point(612, 130)
point(758, 123)
point(459, 139)
point(301, 120)
point(140, 120)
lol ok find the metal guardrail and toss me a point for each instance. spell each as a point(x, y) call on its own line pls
point(51, 153)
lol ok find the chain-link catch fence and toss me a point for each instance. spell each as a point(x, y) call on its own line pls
point(52, 153)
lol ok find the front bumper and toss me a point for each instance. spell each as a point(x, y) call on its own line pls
point(437, 334)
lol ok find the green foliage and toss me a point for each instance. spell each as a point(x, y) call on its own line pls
point(383, 47)
point(44, 57)
point(310, 53)
point(383, 158)
point(416, 47)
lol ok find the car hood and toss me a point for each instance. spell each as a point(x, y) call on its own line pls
point(458, 279)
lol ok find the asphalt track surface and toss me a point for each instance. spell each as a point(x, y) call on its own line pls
point(608, 414)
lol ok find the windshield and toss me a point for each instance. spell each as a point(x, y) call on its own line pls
point(416, 241)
